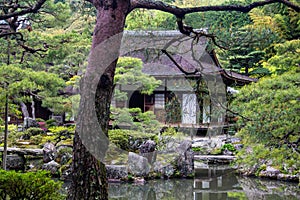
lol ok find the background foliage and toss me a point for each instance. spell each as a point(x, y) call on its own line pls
point(272, 131)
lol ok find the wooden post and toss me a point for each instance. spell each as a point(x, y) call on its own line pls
point(5, 133)
point(4, 159)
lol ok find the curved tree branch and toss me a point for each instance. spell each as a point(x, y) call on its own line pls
point(177, 65)
point(32, 9)
point(181, 12)
point(187, 30)
point(14, 34)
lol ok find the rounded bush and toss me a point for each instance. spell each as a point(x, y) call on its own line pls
point(29, 186)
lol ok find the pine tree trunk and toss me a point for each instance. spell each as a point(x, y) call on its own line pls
point(32, 107)
point(24, 109)
point(89, 179)
point(88, 176)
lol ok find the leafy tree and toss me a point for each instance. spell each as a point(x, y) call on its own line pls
point(245, 56)
point(150, 20)
point(269, 25)
point(286, 57)
point(21, 84)
point(281, 19)
point(129, 72)
point(135, 119)
point(51, 45)
point(272, 127)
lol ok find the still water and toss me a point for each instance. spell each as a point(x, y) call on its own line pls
point(210, 183)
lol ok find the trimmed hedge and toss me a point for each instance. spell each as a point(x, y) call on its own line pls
point(29, 186)
point(129, 140)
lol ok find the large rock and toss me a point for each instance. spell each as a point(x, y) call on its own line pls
point(148, 146)
point(270, 172)
point(138, 165)
point(151, 157)
point(116, 171)
point(171, 144)
point(184, 147)
point(168, 171)
point(15, 162)
point(147, 150)
point(185, 159)
point(51, 166)
point(49, 152)
point(64, 154)
point(207, 145)
point(66, 172)
point(288, 177)
point(165, 170)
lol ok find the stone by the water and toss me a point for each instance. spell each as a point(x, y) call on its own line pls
point(49, 152)
point(138, 165)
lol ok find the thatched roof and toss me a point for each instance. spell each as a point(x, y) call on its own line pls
point(189, 54)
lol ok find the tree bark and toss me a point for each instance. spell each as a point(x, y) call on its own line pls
point(24, 109)
point(32, 107)
point(89, 179)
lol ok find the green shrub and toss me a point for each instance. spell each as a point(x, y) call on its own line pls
point(37, 139)
point(13, 134)
point(47, 138)
point(39, 120)
point(135, 119)
point(125, 139)
point(34, 131)
point(119, 138)
point(29, 186)
point(197, 149)
point(62, 133)
point(229, 147)
point(170, 131)
point(11, 128)
point(216, 151)
point(60, 129)
point(14, 137)
point(51, 122)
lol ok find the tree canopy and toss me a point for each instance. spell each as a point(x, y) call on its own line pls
point(21, 84)
point(272, 131)
point(129, 72)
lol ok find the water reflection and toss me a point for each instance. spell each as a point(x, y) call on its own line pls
point(215, 182)
point(153, 190)
point(211, 183)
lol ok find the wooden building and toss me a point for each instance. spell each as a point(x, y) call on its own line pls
point(180, 62)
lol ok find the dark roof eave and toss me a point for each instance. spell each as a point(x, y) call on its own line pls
point(236, 77)
point(240, 79)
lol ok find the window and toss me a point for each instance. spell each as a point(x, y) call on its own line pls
point(149, 99)
point(160, 101)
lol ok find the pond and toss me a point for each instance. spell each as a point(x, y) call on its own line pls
point(210, 183)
